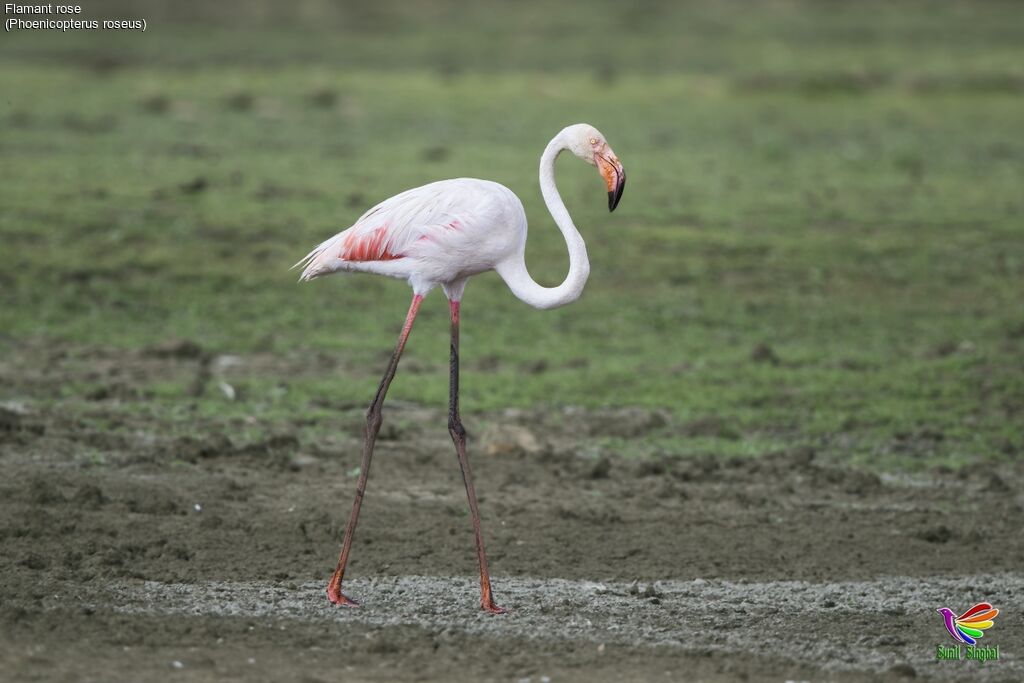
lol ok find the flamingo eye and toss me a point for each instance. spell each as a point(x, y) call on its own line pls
point(593, 141)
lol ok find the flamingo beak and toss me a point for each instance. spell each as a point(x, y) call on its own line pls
point(614, 177)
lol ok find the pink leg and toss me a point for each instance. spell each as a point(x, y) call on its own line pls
point(373, 422)
point(458, 433)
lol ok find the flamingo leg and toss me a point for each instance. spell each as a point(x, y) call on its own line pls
point(458, 433)
point(373, 422)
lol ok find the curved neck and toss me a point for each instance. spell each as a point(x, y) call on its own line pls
point(514, 271)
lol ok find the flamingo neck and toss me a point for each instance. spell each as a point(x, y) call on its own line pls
point(514, 271)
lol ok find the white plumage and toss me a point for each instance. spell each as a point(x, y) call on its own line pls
point(438, 233)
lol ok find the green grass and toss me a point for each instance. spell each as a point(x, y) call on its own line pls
point(842, 185)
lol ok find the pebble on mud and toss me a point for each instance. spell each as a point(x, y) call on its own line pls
point(601, 469)
point(509, 440)
point(936, 534)
point(9, 420)
point(904, 670)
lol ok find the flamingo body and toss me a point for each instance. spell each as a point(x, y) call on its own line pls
point(441, 233)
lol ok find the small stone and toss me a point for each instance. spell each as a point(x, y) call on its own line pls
point(937, 534)
point(601, 468)
point(509, 440)
point(904, 670)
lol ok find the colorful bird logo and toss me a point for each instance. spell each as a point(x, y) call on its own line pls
point(970, 625)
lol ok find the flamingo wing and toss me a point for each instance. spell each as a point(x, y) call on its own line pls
point(391, 229)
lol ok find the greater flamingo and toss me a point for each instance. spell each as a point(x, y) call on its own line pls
point(441, 234)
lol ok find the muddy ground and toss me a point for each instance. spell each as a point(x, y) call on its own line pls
point(204, 556)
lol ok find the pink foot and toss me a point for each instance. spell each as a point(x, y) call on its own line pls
point(335, 595)
point(487, 604)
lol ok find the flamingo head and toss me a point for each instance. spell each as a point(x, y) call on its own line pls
point(588, 144)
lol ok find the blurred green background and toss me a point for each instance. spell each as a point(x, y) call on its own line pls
point(820, 244)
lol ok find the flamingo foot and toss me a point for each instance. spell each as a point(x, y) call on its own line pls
point(335, 595)
point(487, 604)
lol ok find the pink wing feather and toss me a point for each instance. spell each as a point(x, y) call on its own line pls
point(388, 231)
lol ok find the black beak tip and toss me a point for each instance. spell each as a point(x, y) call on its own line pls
point(615, 195)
